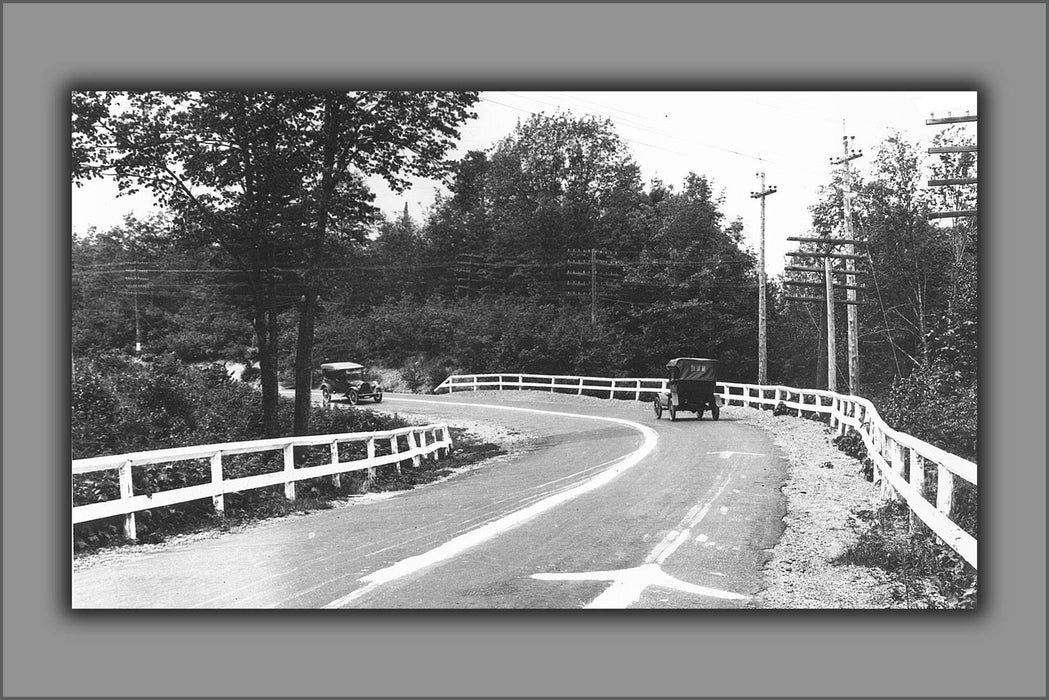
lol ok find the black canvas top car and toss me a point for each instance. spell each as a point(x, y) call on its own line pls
point(348, 379)
point(691, 382)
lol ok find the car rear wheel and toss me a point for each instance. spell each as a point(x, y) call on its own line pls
point(325, 397)
point(352, 397)
point(657, 406)
point(699, 414)
point(715, 412)
point(673, 412)
point(378, 397)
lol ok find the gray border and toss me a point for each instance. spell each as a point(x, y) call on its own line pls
point(996, 48)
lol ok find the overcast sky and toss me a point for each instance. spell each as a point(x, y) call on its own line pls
point(727, 136)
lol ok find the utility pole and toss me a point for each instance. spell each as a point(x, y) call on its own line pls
point(829, 286)
point(850, 279)
point(762, 352)
point(136, 282)
point(593, 286)
point(138, 325)
point(590, 270)
point(832, 345)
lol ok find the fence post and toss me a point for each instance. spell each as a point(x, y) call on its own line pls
point(369, 477)
point(475, 382)
point(896, 459)
point(500, 382)
point(944, 490)
point(637, 394)
point(580, 392)
point(413, 443)
point(874, 435)
point(612, 390)
point(801, 400)
point(916, 477)
point(127, 491)
point(218, 500)
point(428, 455)
point(520, 382)
point(289, 469)
point(395, 449)
point(336, 479)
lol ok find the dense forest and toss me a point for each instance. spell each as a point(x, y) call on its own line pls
point(547, 254)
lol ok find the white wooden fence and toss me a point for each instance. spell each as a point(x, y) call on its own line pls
point(899, 459)
point(430, 441)
point(622, 385)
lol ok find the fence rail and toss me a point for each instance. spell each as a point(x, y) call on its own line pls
point(423, 442)
point(899, 459)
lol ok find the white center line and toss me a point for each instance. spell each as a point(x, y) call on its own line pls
point(486, 532)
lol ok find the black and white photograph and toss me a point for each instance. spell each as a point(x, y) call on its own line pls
point(524, 349)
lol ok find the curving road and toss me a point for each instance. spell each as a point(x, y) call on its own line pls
point(610, 508)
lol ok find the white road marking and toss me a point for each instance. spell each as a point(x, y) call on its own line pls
point(482, 534)
point(679, 535)
point(628, 585)
point(728, 454)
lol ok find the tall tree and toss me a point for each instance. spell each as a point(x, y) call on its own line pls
point(691, 283)
point(394, 135)
point(559, 182)
point(271, 178)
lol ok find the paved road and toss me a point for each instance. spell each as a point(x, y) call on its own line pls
point(610, 508)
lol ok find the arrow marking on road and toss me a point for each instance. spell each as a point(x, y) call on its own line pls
point(629, 584)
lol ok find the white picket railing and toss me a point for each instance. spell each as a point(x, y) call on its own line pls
point(899, 459)
point(551, 382)
point(429, 441)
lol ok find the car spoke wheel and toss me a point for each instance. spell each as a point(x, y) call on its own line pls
point(715, 412)
point(699, 414)
point(325, 397)
point(351, 396)
point(378, 398)
point(657, 405)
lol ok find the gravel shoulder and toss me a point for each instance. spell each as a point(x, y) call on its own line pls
point(822, 491)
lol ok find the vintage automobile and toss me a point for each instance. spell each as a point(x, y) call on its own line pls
point(691, 383)
point(348, 379)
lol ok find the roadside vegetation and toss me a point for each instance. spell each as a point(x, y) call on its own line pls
point(930, 574)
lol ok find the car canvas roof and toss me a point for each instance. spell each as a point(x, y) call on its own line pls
point(674, 362)
point(341, 365)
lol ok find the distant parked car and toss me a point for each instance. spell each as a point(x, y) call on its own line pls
point(348, 379)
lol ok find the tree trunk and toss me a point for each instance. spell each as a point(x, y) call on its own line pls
point(266, 336)
point(304, 345)
point(304, 362)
